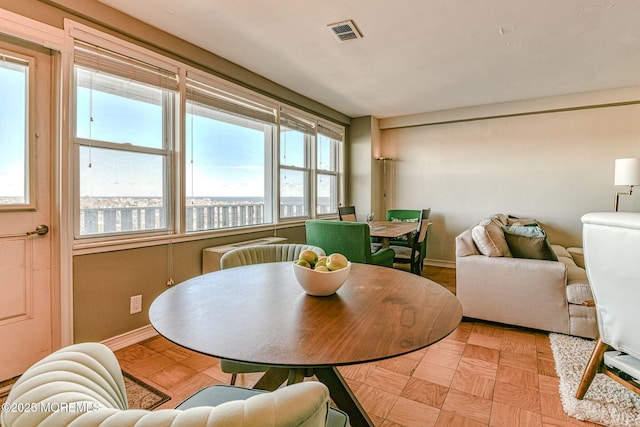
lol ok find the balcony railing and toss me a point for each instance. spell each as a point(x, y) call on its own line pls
point(199, 217)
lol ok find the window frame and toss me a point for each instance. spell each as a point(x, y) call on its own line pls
point(335, 134)
point(222, 89)
point(170, 109)
point(176, 162)
point(303, 123)
point(311, 168)
point(30, 174)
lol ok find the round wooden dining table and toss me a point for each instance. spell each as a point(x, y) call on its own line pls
point(259, 314)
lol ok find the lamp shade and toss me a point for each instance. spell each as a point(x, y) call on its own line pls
point(627, 172)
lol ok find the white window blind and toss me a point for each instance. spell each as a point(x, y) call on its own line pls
point(220, 100)
point(96, 58)
point(330, 132)
point(293, 121)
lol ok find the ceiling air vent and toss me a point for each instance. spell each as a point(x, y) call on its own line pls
point(345, 31)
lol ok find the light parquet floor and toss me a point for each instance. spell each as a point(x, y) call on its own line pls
point(481, 375)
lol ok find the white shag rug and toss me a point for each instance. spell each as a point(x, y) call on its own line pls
point(606, 401)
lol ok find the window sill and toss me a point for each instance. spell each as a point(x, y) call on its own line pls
point(97, 245)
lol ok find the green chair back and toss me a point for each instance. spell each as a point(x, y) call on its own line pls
point(407, 215)
point(351, 239)
point(404, 214)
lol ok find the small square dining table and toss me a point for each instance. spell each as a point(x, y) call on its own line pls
point(387, 230)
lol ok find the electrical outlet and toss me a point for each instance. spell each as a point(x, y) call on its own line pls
point(135, 306)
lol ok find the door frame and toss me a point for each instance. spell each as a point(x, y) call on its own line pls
point(53, 38)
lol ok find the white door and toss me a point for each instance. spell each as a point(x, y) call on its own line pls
point(25, 204)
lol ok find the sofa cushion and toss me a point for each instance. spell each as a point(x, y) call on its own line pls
point(528, 242)
point(561, 252)
point(578, 288)
point(489, 237)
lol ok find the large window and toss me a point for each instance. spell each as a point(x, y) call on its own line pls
point(328, 167)
point(162, 148)
point(14, 132)
point(228, 159)
point(310, 165)
point(123, 141)
point(296, 139)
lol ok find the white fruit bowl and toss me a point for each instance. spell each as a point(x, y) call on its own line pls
point(320, 283)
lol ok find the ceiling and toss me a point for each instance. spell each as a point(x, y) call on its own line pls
point(415, 56)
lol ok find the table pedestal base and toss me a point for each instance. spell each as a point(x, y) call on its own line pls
point(331, 377)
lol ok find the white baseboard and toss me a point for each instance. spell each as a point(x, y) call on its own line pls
point(440, 263)
point(129, 338)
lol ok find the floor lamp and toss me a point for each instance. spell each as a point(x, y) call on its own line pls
point(384, 180)
point(627, 172)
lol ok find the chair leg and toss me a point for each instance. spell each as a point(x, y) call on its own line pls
point(592, 368)
point(234, 377)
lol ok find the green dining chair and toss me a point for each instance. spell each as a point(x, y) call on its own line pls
point(347, 213)
point(416, 250)
point(351, 239)
point(403, 215)
point(258, 254)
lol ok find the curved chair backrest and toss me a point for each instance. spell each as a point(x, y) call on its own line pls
point(611, 251)
point(261, 254)
point(86, 380)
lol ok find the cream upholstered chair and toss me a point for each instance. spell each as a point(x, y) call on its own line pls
point(258, 254)
point(83, 385)
point(612, 252)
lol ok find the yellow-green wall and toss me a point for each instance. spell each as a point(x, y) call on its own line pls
point(104, 282)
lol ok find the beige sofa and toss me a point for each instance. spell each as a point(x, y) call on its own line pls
point(492, 284)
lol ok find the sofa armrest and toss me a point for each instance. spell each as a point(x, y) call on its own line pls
point(515, 291)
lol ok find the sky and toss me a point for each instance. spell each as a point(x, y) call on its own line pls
point(218, 150)
point(12, 130)
point(215, 150)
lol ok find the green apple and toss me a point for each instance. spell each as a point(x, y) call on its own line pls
point(303, 263)
point(321, 268)
point(336, 261)
point(308, 255)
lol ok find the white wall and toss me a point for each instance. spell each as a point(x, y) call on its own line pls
point(553, 166)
